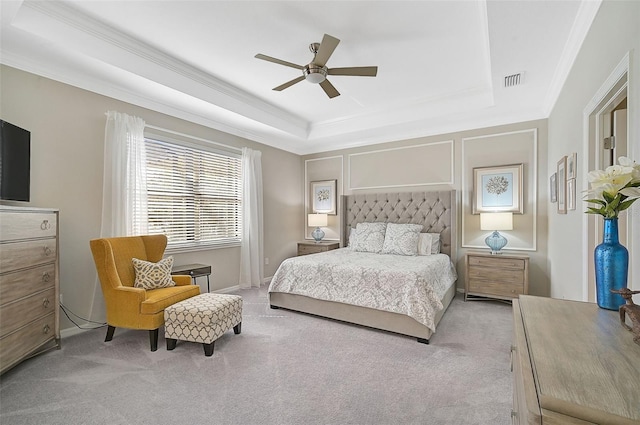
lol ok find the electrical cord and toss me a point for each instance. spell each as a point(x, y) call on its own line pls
point(66, 313)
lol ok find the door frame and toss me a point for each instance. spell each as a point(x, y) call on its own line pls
point(611, 92)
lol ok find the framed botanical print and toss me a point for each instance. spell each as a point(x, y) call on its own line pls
point(562, 185)
point(553, 187)
point(571, 166)
point(498, 189)
point(323, 197)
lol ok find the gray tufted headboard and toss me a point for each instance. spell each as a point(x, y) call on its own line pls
point(436, 211)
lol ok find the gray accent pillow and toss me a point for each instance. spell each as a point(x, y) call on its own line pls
point(369, 237)
point(401, 239)
point(429, 243)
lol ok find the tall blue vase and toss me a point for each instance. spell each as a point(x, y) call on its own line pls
point(611, 265)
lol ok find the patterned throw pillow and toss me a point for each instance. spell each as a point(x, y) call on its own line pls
point(429, 243)
point(369, 237)
point(153, 275)
point(401, 239)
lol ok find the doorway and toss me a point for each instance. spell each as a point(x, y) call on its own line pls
point(607, 127)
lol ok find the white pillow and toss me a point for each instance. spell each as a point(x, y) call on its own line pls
point(429, 243)
point(401, 239)
point(352, 237)
point(369, 237)
point(153, 275)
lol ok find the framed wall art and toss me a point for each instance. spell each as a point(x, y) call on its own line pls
point(571, 166)
point(562, 185)
point(553, 187)
point(323, 197)
point(498, 189)
point(571, 194)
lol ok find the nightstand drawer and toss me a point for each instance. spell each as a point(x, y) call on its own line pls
point(496, 287)
point(482, 274)
point(305, 248)
point(497, 262)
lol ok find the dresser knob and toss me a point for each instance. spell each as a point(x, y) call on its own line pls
point(45, 225)
point(46, 277)
point(46, 329)
point(47, 251)
point(513, 349)
point(45, 302)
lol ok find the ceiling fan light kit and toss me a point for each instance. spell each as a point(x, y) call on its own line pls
point(316, 71)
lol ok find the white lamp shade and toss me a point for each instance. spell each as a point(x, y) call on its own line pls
point(496, 221)
point(317, 220)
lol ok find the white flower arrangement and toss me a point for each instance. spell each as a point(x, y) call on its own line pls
point(614, 189)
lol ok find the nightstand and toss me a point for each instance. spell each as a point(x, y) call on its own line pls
point(312, 247)
point(502, 276)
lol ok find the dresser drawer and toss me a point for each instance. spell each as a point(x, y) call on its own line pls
point(19, 284)
point(480, 274)
point(19, 313)
point(311, 249)
point(20, 225)
point(14, 347)
point(18, 255)
point(496, 262)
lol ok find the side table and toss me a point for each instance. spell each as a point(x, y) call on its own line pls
point(193, 270)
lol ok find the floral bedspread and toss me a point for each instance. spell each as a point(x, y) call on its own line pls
point(409, 285)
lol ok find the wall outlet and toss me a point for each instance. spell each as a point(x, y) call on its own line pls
point(266, 261)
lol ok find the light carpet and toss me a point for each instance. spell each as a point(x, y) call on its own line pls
point(284, 368)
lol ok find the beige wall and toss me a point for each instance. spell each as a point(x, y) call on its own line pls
point(614, 33)
point(446, 162)
point(67, 143)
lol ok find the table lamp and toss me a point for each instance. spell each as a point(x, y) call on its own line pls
point(317, 220)
point(495, 222)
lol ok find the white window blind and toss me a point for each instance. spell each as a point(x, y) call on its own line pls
point(194, 195)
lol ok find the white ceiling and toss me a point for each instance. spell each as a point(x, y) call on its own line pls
point(441, 64)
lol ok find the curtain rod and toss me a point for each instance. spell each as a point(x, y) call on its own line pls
point(192, 137)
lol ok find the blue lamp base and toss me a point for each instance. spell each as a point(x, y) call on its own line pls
point(496, 242)
point(317, 234)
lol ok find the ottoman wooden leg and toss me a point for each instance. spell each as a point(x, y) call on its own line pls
point(171, 343)
point(110, 331)
point(208, 349)
point(237, 328)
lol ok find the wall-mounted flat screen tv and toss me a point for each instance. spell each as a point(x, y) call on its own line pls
point(15, 162)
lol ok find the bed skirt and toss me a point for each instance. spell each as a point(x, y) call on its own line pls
point(378, 319)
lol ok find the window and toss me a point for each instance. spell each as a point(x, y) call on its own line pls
point(194, 195)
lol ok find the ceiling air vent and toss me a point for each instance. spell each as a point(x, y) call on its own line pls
point(514, 79)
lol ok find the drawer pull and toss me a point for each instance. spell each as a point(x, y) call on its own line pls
point(45, 302)
point(46, 277)
point(45, 225)
point(46, 329)
point(47, 251)
point(514, 416)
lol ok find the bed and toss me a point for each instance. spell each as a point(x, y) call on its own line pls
point(302, 283)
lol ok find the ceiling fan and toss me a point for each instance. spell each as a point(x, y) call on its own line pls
point(316, 71)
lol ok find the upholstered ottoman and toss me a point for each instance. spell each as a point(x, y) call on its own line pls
point(203, 318)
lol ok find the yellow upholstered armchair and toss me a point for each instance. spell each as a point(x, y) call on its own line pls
point(127, 306)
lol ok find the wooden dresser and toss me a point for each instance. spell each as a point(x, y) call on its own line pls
point(29, 283)
point(573, 363)
point(503, 276)
point(312, 247)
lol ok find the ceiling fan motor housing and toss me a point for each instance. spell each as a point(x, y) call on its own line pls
point(315, 74)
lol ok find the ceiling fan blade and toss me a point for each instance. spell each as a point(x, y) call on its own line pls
point(359, 71)
point(329, 89)
point(289, 83)
point(327, 46)
point(278, 61)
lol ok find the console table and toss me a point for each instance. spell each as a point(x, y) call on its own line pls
point(573, 363)
point(193, 270)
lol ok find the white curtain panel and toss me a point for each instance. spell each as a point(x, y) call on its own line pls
point(124, 195)
point(252, 251)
